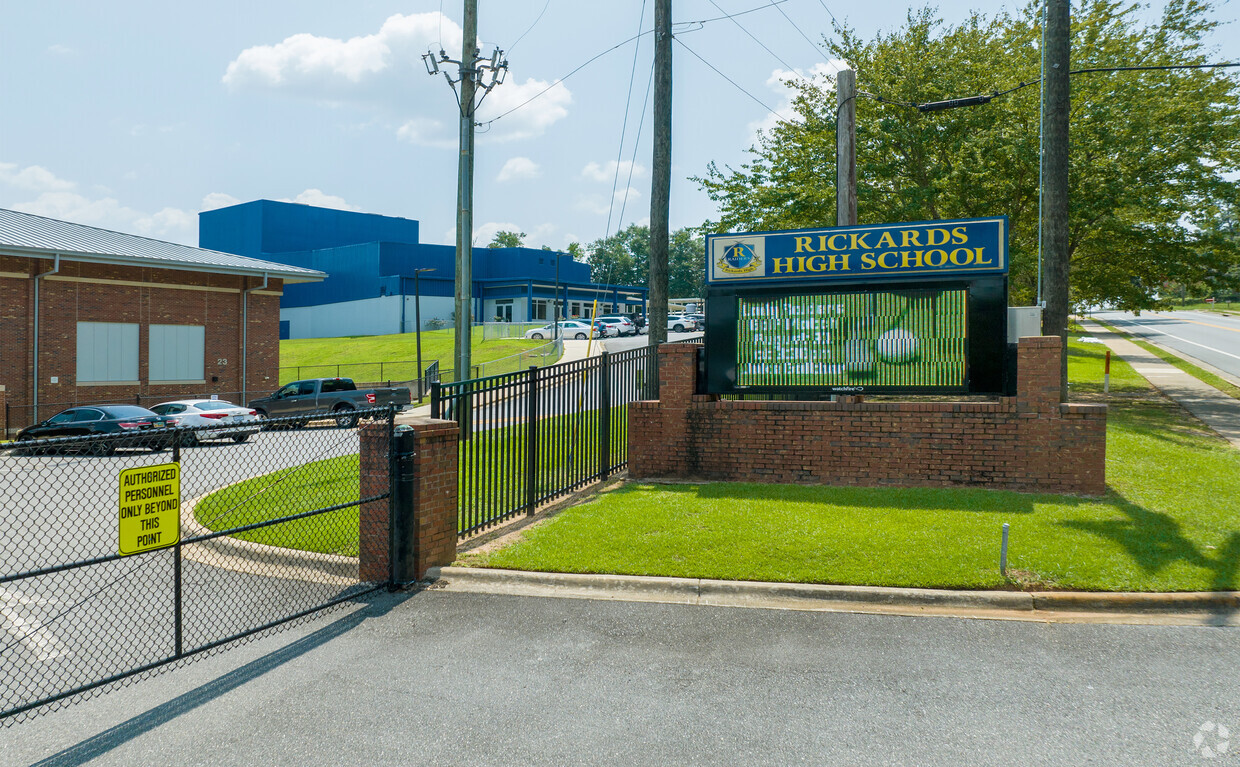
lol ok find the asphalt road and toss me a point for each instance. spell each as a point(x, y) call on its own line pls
point(76, 626)
point(1211, 338)
point(455, 678)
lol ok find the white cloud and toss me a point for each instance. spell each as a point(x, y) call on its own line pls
point(33, 178)
point(518, 168)
point(171, 224)
point(823, 72)
point(320, 199)
point(607, 172)
point(216, 200)
point(485, 233)
point(383, 72)
point(598, 204)
point(60, 50)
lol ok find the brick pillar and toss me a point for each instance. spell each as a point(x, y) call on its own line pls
point(677, 374)
point(1038, 360)
point(374, 478)
point(426, 491)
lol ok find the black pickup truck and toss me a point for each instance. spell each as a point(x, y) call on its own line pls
point(336, 398)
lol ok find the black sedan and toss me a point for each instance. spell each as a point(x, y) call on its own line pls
point(132, 426)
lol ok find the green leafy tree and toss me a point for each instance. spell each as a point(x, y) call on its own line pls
point(624, 259)
point(506, 239)
point(1152, 154)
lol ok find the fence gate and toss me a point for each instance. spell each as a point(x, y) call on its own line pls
point(95, 587)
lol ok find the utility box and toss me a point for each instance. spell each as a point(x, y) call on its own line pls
point(1023, 321)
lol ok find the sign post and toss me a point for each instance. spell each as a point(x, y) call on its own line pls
point(150, 508)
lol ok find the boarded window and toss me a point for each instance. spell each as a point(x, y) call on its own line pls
point(176, 352)
point(107, 351)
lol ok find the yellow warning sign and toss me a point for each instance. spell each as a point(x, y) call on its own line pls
point(150, 508)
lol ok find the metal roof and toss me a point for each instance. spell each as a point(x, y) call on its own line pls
point(23, 234)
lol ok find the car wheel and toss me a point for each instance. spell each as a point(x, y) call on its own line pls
point(239, 438)
point(261, 417)
point(103, 448)
point(346, 417)
point(537, 336)
point(580, 336)
point(189, 439)
point(679, 328)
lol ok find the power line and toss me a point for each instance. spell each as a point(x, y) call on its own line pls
point(526, 32)
point(828, 10)
point(817, 50)
point(756, 40)
point(628, 100)
point(621, 44)
point(633, 160)
point(725, 77)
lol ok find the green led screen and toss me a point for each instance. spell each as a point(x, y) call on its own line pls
point(897, 338)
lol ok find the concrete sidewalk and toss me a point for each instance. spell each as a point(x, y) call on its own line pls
point(1219, 411)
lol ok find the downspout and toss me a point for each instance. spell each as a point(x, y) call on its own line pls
point(245, 337)
point(35, 389)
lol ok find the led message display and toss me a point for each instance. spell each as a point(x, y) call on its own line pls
point(837, 341)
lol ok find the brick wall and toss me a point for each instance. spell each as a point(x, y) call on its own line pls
point(84, 292)
point(431, 507)
point(1031, 442)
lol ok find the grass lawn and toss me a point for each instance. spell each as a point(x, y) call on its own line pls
point(1170, 521)
point(284, 493)
point(359, 356)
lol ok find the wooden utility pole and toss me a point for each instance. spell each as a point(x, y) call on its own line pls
point(1055, 104)
point(846, 148)
point(465, 196)
point(661, 173)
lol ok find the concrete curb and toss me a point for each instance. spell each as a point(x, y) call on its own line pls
point(260, 559)
point(821, 596)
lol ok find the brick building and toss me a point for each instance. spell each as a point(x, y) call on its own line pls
point(89, 315)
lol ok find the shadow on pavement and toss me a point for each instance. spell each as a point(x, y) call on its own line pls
point(377, 604)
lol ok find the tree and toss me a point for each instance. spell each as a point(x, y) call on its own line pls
point(624, 259)
point(1151, 151)
point(505, 239)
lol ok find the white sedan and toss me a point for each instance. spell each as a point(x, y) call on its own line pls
point(568, 329)
point(213, 413)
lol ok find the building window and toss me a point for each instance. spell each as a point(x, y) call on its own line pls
point(107, 351)
point(541, 310)
point(176, 352)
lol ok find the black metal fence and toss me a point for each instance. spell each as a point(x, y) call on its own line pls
point(532, 436)
point(268, 534)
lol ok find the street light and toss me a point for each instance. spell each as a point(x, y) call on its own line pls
point(417, 318)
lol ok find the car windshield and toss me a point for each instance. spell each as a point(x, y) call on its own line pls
point(126, 411)
point(215, 404)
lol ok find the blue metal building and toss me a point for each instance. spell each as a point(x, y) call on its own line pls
point(371, 260)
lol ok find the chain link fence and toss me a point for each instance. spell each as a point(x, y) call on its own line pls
point(125, 555)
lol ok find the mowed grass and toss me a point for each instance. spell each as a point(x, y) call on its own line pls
point(1199, 373)
point(285, 493)
point(1169, 522)
point(359, 356)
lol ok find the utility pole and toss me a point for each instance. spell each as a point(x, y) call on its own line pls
point(1056, 100)
point(471, 72)
point(661, 173)
point(846, 148)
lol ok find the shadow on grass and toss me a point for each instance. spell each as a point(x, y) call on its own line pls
point(903, 498)
point(1154, 541)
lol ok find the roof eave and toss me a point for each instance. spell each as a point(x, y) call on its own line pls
point(308, 275)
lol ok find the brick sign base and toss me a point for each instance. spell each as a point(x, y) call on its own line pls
point(1031, 442)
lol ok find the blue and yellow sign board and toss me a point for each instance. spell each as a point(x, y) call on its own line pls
point(924, 249)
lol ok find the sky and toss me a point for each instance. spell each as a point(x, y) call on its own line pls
point(135, 115)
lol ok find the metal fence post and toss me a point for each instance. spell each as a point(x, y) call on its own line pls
point(531, 441)
point(401, 452)
point(604, 415)
point(435, 399)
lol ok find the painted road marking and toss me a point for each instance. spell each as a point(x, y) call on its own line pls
point(1185, 340)
point(34, 636)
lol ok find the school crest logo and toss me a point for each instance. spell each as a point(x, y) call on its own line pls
point(739, 257)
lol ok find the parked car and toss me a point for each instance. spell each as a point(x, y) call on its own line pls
point(681, 323)
point(133, 426)
point(578, 329)
point(603, 329)
point(212, 415)
point(338, 397)
point(699, 318)
point(624, 325)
